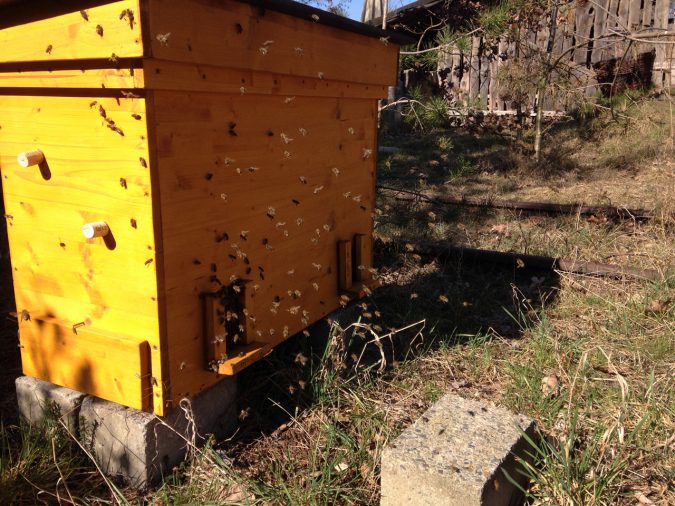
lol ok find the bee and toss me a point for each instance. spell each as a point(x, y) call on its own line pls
point(114, 58)
point(285, 138)
point(85, 15)
point(316, 266)
point(384, 40)
point(367, 153)
point(303, 179)
point(302, 131)
point(271, 212)
point(299, 51)
point(320, 74)
point(288, 100)
point(163, 38)
point(242, 90)
point(136, 116)
point(123, 183)
point(315, 17)
point(315, 286)
point(335, 171)
point(99, 30)
point(223, 196)
point(243, 234)
point(318, 189)
point(280, 224)
point(129, 14)
point(287, 154)
point(299, 221)
point(49, 49)
point(350, 130)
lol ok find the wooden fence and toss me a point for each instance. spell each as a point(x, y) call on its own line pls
point(589, 38)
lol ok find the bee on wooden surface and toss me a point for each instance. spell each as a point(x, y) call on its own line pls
point(271, 212)
point(288, 100)
point(315, 17)
point(163, 38)
point(290, 272)
point(243, 234)
point(285, 138)
point(303, 179)
point(335, 171)
point(299, 51)
point(85, 15)
point(350, 130)
point(315, 286)
point(302, 131)
point(128, 14)
point(99, 30)
point(367, 153)
point(242, 90)
point(287, 154)
point(384, 40)
point(129, 94)
point(223, 196)
point(293, 310)
point(316, 266)
point(279, 224)
point(49, 49)
point(113, 58)
point(320, 75)
point(317, 189)
point(136, 116)
point(299, 221)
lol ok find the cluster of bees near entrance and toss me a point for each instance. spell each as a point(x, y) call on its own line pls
point(186, 184)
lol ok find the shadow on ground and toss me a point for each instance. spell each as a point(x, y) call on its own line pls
point(457, 301)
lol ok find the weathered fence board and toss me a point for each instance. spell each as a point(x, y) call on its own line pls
point(588, 35)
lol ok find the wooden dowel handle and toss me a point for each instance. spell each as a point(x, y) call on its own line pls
point(29, 158)
point(95, 229)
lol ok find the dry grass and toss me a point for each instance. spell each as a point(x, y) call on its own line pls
point(315, 417)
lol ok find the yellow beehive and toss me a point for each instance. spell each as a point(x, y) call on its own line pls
point(186, 184)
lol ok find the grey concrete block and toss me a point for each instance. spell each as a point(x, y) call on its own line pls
point(456, 454)
point(37, 398)
point(140, 447)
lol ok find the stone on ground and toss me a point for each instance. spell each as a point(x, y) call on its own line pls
point(456, 454)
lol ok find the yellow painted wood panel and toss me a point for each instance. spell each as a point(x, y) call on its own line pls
point(167, 75)
point(87, 78)
point(289, 253)
point(72, 37)
point(101, 364)
point(237, 35)
point(92, 173)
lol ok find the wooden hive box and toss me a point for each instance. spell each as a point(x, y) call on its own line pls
point(186, 184)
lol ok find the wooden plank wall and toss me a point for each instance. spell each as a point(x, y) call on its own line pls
point(584, 32)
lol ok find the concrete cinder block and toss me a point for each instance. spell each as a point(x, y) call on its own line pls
point(140, 447)
point(37, 399)
point(456, 454)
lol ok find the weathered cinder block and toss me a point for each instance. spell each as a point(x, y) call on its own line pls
point(140, 447)
point(456, 454)
point(37, 398)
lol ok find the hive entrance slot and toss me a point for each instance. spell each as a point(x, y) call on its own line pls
point(226, 326)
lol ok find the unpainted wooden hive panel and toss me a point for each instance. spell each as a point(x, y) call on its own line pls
point(230, 151)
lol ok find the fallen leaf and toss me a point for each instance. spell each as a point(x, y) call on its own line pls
point(341, 467)
point(550, 385)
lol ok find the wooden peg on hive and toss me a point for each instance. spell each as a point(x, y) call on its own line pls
point(30, 158)
point(95, 229)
